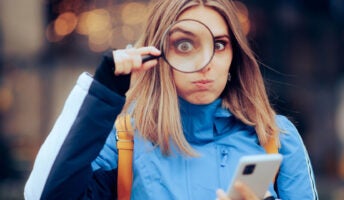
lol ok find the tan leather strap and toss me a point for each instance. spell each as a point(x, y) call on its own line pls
point(125, 146)
point(271, 146)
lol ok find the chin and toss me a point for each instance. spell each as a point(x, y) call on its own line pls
point(201, 101)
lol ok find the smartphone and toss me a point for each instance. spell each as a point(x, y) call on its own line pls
point(257, 172)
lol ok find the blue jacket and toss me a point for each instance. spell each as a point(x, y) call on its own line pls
point(79, 157)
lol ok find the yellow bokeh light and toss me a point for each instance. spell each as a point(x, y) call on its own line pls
point(94, 21)
point(134, 13)
point(97, 47)
point(82, 27)
point(65, 23)
point(99, 41)
point(243, 16)
point(243, 10)
point(6, 99)
point(51, 35)
point(100, 37)
point(128, 33)
point(114, 40)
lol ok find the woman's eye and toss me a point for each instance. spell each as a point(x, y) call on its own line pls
point(184, 46)
point(220, 45)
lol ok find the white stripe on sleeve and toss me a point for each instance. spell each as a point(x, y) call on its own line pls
point(51, 146)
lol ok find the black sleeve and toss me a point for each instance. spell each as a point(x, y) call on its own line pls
point(105, 75)
point(62, 169)
point(71, 175)
point(103, 186)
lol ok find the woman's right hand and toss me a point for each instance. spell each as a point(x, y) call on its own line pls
point(130, 60)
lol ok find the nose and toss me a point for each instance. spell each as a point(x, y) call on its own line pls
point(207, 67)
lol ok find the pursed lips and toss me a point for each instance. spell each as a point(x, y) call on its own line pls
point(203, 84)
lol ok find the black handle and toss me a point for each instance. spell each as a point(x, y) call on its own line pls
point(149, 57)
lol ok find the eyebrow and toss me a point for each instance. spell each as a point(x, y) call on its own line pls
point(222, 36)
point(181, 30)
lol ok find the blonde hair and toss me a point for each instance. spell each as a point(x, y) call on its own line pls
point(156, 109)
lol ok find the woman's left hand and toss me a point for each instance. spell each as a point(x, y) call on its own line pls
point(245, 192)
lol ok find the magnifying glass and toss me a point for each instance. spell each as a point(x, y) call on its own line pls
point(187, 46)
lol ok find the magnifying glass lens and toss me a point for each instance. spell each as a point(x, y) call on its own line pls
point(188, 46)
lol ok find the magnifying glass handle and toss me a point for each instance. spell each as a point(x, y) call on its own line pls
point(149, 57)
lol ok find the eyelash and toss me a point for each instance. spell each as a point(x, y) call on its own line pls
point(221, 42)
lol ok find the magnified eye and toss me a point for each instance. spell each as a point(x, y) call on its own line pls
point(184, 46)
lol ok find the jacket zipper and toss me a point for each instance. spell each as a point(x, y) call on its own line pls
point(224, 156)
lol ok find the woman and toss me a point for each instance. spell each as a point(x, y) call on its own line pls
point(190, 128)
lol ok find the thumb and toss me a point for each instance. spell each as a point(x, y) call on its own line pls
point(221, 195)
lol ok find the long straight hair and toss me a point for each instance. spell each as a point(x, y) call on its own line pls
point(153, 94)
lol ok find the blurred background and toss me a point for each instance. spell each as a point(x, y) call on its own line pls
point(46, 44)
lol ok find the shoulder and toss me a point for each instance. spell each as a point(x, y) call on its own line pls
point(290, 137)
point(296, 178)
point(284, 124)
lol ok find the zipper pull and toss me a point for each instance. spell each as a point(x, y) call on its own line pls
point(224, 154)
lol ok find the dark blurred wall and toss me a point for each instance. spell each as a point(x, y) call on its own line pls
point(300, 45)
point(303, 41)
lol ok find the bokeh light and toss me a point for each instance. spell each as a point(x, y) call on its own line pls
point(6, 98)
point(101, 25)
point(99, 41)
point(243, 16)
point(94, 21)
point(133, 14)
point(128, 33)
point(65, 23)
point(51, 35)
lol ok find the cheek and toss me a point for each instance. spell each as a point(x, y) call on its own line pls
point(222, 81)
point(180, 80)
point(223, 61)
point(222, 65)
point(222, 70)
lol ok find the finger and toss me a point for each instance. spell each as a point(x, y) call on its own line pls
point(127, 67)
point(149, 64)
point(122, 68)
point(245, 192)
point(136, 62)
point(121, 59)
point(136, 58)
point(221, 195)
point(124, 61)
point(128, 60)
point(149, 50)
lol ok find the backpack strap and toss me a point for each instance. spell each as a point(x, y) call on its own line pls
point(125, 146)
point(271, 146)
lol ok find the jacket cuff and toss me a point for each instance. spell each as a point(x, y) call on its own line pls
point(105, 75)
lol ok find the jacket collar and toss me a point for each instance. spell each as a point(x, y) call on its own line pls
point(205, 123)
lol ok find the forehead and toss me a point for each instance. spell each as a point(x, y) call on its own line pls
point(209, 17)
